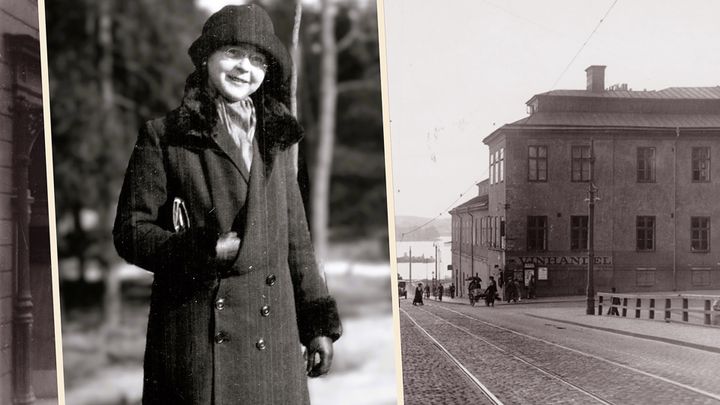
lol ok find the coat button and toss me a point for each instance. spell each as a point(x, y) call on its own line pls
point(260, 344)
point(270, 280)
point(265, 311)
point(220, 304)
point(250, 267)
point(221, 337)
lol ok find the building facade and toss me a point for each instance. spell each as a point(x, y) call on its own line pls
point(475, 240)
point(27, 348)
point(648, 155)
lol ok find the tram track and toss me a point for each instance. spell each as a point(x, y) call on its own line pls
point(469, 376)
point(486, 391)
point(591, 392)
point(585, 354)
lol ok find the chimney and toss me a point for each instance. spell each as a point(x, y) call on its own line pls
point(596, 78)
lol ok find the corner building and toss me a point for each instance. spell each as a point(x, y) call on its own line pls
point(654, 158)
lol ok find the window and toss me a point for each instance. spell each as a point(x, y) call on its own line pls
point(645, 230)
point(645, 276)
point(501, 165)
point(700, 234)
point(701, 164)
point(489, 231)
point(646, 165)
point(492, 168)
point(495, 232)
point(579, 232)
point(497, 166)
point(482, 231)
point(468, 232)
point(537, 233)
point(476, 231)
point(537, 163)
point(700, 276)
point(581, 163)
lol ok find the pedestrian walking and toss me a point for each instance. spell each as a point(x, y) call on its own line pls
point(427, 291)
point(452, 290)
point(491, 293)
point(440, 292)
point(532, 285)
point(511, 291)
point(418, 299)
point(508, 288)
point(520, 287)
point(211, 205)
point(474, 289)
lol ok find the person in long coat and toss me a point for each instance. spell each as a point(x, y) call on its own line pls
point(211, 205)
point(418, 298)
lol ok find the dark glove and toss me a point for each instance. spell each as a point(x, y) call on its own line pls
point(319, 356)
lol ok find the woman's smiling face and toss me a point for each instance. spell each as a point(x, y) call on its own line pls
point(237, 71)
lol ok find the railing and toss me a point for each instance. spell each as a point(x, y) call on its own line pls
point(688, 308)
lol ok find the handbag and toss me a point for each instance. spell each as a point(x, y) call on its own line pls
point(180, 218)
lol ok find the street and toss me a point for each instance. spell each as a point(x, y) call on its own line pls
point(519, 354)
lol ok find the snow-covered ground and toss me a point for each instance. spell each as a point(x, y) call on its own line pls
point(363, 371)
point(364, 366)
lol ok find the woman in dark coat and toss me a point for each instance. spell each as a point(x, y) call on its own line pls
point(211, 206)
point(418, 299)
point(491, 292)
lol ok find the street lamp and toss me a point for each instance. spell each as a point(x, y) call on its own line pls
point(592, 191)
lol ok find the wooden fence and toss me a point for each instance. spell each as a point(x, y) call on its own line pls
point(698, 309)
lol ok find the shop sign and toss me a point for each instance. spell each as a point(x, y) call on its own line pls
point(563, 260)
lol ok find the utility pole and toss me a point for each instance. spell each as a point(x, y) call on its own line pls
point(592, 191)
point(410, 265)
point(436, 262)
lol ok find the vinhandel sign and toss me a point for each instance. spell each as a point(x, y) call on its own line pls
point(563, 260)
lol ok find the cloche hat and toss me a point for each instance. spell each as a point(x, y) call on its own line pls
point(249, 24)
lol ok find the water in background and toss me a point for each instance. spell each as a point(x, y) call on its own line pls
point(425, 270)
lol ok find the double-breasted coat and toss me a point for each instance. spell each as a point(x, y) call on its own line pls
point(223, 334)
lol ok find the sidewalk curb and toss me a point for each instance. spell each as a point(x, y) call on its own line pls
point(633, 334)
point(503, 303)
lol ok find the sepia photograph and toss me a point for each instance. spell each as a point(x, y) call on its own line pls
point(555, 186)
point(28, 366)
point(222, 218)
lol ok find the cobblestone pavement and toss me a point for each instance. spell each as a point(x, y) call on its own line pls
point(430, 377)
point(525, 360)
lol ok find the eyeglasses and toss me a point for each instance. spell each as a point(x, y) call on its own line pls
point(237, 54)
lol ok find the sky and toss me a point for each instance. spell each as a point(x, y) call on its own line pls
point(460, 69)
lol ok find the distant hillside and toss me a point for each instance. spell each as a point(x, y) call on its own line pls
point(437, 228)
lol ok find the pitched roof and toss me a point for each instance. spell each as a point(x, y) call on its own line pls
point(686, 93)
point(479, 202)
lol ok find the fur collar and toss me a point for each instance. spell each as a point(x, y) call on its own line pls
point(197, 117)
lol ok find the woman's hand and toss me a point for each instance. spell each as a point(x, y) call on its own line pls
point(319, 356)
point(227, 247)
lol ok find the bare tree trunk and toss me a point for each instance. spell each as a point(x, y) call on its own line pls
point(328, 105)
point(296, 54)
point(79, 233)
point(105, 40)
